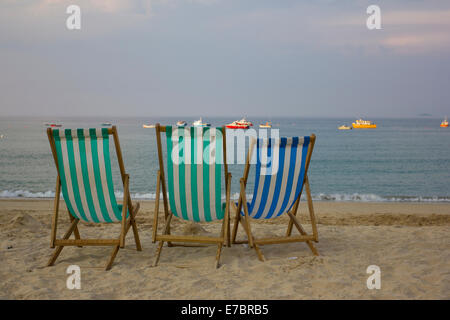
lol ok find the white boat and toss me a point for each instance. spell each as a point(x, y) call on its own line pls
point(181, 123)
point(344, 127)
point(148, 126)
point(244, 122)
point(200, 123)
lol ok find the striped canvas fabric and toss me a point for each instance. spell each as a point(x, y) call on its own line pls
point(280, 170)
point(85, 172)
point(194, 164)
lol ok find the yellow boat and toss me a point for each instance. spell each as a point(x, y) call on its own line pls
point(268, 124)
point(344, 127)
point(363, 124)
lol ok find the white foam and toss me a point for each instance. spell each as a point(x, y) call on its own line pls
point(337, 197)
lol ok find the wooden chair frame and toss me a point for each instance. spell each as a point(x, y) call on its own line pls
point(126, 223)
point(293, 221)
point(224, 237)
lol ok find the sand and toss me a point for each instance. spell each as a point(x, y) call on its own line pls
point(410, 242)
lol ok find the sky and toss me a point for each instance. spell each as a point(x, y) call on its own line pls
point(266, 58)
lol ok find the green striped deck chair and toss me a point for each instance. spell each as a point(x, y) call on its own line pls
point(84, 175)
point(195, 158)
point(280, 174)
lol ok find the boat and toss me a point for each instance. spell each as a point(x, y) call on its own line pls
point(363, 124)
point(268, 124)
point(106, 124)
point(444, 124)
point(2, 136)
point(237, 125)
point(148, 126)
point(244, 121)
point(181, 123)
point(344, 127)
point(200, 123)
point(54, 125)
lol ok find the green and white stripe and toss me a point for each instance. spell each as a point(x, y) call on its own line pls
point(194, 162)
point(85, 171)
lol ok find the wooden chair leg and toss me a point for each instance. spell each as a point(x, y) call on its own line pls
point(59, 248)
point(134, 226)
point(219, 250)
point(158, 253)
point(259, 253)
point(54, 256)
point(228, 232)
point(311, 211)
point(167, 230)
point(227, 213)
point(236, 223)
point(55, 213)
point(303, 232)
point(156, 214)
point(160, 245)
point(111, 259)
point(294, 212)
point(251, 239)
point(75, 231)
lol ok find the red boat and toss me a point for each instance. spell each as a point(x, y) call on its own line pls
point(239, 124)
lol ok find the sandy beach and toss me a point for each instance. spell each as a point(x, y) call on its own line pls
point(410, 242)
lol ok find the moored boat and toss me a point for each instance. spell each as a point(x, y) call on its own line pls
point(148, 126)
point(237, 125)
point(244, 122)
point(106, 124)
point(200, 123)
point(268, 124)
point(344, 127)
point(444, 124)
point(363, 124)
point(181, 123)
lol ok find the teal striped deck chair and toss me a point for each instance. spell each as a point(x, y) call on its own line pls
point(84, 175)
point(280, 174)
point(195, 159)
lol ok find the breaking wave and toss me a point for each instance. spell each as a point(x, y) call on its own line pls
point(337, 197)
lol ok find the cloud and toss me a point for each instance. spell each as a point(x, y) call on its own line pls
point(404, 30)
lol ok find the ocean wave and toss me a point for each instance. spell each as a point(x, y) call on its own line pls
point(336, 197)
point(357, 197)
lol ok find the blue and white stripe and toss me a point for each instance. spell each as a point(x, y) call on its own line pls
point(280, 171)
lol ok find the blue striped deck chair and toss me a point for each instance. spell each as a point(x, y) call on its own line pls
point(195, 158)
point(280, 174)
point(84, 175)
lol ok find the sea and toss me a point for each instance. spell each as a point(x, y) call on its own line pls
point(403, 160)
